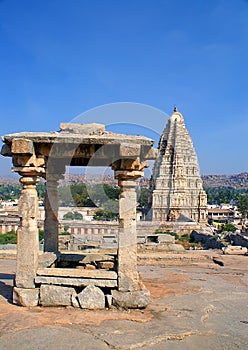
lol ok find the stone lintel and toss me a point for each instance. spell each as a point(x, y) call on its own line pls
point(62, 272)
point(77, 282)
point(22, 146)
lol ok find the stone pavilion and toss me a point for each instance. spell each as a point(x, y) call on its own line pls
point(56, 279)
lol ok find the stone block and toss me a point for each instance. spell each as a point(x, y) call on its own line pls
point(131, 300)
point(47, 259)
point(56, 295)
point(26, 297)
point(22, 146)
point(92, 298)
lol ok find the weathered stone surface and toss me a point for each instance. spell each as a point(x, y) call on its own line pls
point(178, 193)
point(91, 298)
point(107, 265)
point(77, 282)
point(174, 247)
point(166, 238)
point(56, 295)
point(58, 272)
point(235, 250)
point(131, 300)
point(47, 259)
point(25, 297)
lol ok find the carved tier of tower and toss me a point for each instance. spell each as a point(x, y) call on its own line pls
point(176, 185)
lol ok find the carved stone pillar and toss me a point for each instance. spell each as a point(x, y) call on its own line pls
point(127, 243)
point(51, 225)
point(28, 241)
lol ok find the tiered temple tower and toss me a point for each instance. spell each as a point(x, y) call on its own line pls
point(176, 185)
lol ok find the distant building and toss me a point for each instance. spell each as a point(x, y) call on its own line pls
point(176, 185)
point(221, 215)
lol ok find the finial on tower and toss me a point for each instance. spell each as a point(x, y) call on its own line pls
point(175, 108)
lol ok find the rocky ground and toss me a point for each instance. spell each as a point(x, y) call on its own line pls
point(196, 305)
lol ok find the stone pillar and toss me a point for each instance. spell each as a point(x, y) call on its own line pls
point(127, 243)
point(51, 225)
point(28, 241)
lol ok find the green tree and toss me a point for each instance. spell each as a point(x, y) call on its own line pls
point(142, 197)
point(8, 238)
point(68, 216)
point(103, 215)
point(228, 227)
point(242, 205)
point(78, 216)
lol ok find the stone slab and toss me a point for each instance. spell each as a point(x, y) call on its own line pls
point(77, 282)
point(60, 272)
point(91, 298)
point(56, 295)
point(26, 297)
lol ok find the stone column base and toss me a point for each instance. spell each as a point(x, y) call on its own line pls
point(26, 297)
point(131, 300)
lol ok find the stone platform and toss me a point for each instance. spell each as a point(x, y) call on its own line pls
point(190, 309)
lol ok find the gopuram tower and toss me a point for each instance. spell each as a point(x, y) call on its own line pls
point(176, 185)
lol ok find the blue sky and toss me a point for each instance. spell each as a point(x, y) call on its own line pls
point(60, 58)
